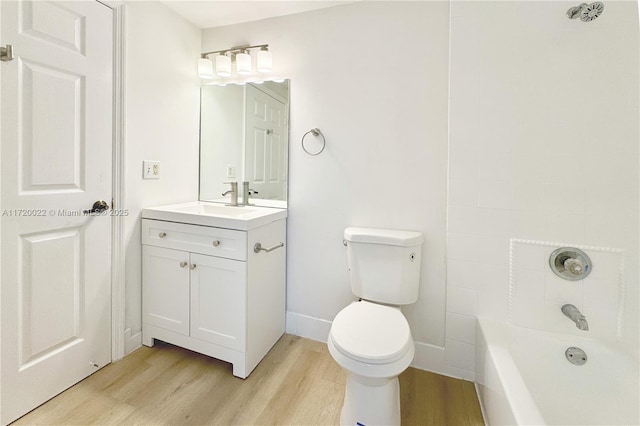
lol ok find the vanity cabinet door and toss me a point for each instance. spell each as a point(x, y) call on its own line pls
point(165, 288)
point(218, 301)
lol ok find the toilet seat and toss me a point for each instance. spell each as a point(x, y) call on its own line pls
point(371, 333)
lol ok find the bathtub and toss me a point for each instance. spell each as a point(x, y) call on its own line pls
point(524, 378)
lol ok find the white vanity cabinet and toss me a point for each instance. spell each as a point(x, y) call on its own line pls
point(206, 289)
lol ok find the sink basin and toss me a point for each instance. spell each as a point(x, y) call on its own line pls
point(219, 215)
point(213, 210)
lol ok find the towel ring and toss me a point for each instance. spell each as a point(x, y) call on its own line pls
point(314, 132)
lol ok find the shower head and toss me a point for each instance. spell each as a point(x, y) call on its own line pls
point(586, 12)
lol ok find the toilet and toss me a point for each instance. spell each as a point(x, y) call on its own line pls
point(371, 338)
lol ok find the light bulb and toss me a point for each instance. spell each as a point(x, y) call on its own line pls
point(205, 68)
point(264, 62)
point(223, 66)
point(243, 63)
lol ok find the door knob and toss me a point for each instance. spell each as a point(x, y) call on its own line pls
point(98, 207)
point(6, 53)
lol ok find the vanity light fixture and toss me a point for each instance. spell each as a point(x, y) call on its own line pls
point(264, 62)
point(205, 68)
point(240, 55)
point(223, 65)
point(243, 63)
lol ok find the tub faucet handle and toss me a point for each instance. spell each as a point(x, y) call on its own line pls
point(575, 266)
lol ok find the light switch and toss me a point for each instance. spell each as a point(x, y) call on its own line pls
point(150, 169)
point(231, 171)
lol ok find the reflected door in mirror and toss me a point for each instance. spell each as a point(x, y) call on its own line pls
point(265, 149)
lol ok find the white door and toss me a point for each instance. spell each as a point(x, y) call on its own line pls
point(265, 144)
point(55, 161)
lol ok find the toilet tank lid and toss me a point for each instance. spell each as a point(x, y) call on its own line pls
point(383, 236)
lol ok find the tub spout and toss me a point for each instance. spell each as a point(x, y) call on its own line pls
point(576, 316)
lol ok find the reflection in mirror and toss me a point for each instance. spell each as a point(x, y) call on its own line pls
point(244, 136)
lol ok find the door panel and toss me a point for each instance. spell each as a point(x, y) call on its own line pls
point(165, 288)
point(55, 161)
point(51, 150)
point(218, 301)
point(54, 23)
point(45, 327)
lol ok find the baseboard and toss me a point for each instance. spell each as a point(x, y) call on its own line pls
point(131, 343)
point(310, 327)
point(428, 357)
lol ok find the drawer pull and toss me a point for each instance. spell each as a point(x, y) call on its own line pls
point(258, 248)
point(192, 266)
point(162, 234)
point(216, 243)
point(183, 264)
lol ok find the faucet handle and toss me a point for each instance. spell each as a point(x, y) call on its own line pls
point(234, 193)
point(246, 193)
point(570, 263)
point(234, 188)
point(575, 266)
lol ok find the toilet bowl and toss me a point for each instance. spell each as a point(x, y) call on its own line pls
point(371, 338)
point(373, 343)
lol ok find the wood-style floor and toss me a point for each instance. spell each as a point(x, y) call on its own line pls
point(297, 383)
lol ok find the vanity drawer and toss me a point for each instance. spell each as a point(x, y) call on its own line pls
point(220, 242)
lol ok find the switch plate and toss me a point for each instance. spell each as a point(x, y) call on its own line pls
point(150, 169)
point(231, 171)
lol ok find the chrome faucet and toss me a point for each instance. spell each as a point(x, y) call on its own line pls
point(234, 193)
point(246, 193)
point(576, 316)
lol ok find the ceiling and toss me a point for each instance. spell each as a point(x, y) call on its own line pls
point(213, 13)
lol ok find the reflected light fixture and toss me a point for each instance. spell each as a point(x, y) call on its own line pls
point(239, 55)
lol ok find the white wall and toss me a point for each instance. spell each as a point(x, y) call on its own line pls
point(373, 77)
point(543, 146)
point(162, 95)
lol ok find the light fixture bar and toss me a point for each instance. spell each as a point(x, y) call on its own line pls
point(235, 50)
point(238, 57)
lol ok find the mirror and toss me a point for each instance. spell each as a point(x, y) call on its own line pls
point(244, 136)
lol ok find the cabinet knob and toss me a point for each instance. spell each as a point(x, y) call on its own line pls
point(192, 266)
point(183, 264)
point(162, 234)
point(216, 243)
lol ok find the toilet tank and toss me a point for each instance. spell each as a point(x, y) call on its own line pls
point(384, 264)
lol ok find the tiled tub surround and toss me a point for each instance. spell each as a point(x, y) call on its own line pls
point(534, 156)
